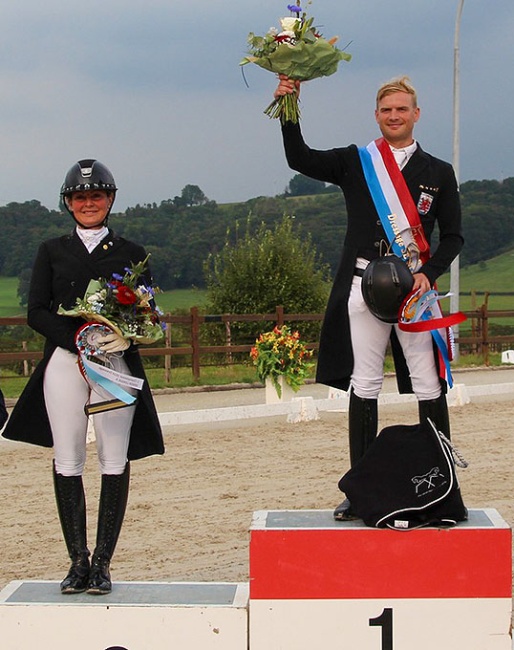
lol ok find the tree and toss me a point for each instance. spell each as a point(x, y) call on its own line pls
point(191, 195)
point(301, 185)
point(264, 269)
point(23, 286)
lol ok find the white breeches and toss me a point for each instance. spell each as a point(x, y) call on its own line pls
point(370, 337)
point(66, 393)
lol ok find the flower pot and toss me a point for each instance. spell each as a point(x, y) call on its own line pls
point(271, 392)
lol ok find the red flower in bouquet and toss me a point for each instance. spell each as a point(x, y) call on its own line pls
point(125, 295)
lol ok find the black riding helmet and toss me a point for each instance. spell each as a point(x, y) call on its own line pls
point(385, 284)
point(88, 174)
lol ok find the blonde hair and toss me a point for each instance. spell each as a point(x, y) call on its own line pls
point(397, 85)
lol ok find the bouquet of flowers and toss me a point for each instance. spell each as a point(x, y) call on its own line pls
point(298, 51)
point(281, 353)
point(125, 303)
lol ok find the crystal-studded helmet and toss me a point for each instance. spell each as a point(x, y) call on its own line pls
point(88, 174)
point(385, 284)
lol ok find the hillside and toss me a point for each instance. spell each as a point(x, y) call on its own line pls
point(180, 237)
point(494, 276)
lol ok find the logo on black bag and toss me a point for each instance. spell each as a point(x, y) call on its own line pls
point(425, 483)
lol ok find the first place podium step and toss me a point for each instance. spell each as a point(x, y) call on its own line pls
point(318, 583)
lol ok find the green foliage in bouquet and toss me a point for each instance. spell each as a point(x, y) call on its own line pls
point(298, 51)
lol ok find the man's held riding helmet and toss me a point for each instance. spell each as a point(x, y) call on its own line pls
point(385, 284)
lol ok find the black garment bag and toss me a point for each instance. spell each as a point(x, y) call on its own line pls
point(406, 480)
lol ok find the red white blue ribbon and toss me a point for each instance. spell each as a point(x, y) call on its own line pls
point(418, 313)
point(422, 313)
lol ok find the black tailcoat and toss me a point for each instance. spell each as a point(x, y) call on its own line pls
point(424, 175)
point(61, 273)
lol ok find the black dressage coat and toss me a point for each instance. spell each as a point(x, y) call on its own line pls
point(424, 175)
point(61, 272)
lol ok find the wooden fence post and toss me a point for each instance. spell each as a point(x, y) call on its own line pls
point(167, 357)
point(474, 324)
point(485, 333)
point(195, 343)
point(25, 362)
point(228, 340)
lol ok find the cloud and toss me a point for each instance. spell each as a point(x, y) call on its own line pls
point(154, 89)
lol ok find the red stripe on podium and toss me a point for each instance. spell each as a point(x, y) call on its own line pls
point(428, 563)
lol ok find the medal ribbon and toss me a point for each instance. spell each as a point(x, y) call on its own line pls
point(111, 380)
point(422, 317)
point(422, 313)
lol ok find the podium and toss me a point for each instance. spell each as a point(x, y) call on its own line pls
point(314, 583)
point(318, 583)
point(135, 616)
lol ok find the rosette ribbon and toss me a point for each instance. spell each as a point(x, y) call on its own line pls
point(421, 313)
point(94, 366)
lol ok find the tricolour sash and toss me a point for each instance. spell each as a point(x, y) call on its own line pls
point(400, 219)
point(394, 204)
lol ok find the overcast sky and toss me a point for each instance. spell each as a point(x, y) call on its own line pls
point(153, 89)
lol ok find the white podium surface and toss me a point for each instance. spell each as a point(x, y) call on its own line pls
point(318, 583)
point(135, 616)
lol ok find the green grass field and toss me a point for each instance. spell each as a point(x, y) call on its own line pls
point(183, 299)
point(168, 301)
point(493, 276)
point(9, 302)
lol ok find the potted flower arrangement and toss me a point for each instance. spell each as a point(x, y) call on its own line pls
point(280, 354)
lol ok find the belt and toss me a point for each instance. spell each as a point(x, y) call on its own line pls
point(359, 272)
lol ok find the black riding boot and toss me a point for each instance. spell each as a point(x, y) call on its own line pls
point(437, 411)
point(71, 505)
point(113, 502)
point(362, 430)
point(362, 426)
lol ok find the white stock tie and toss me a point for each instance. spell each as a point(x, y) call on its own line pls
point(400, 155)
